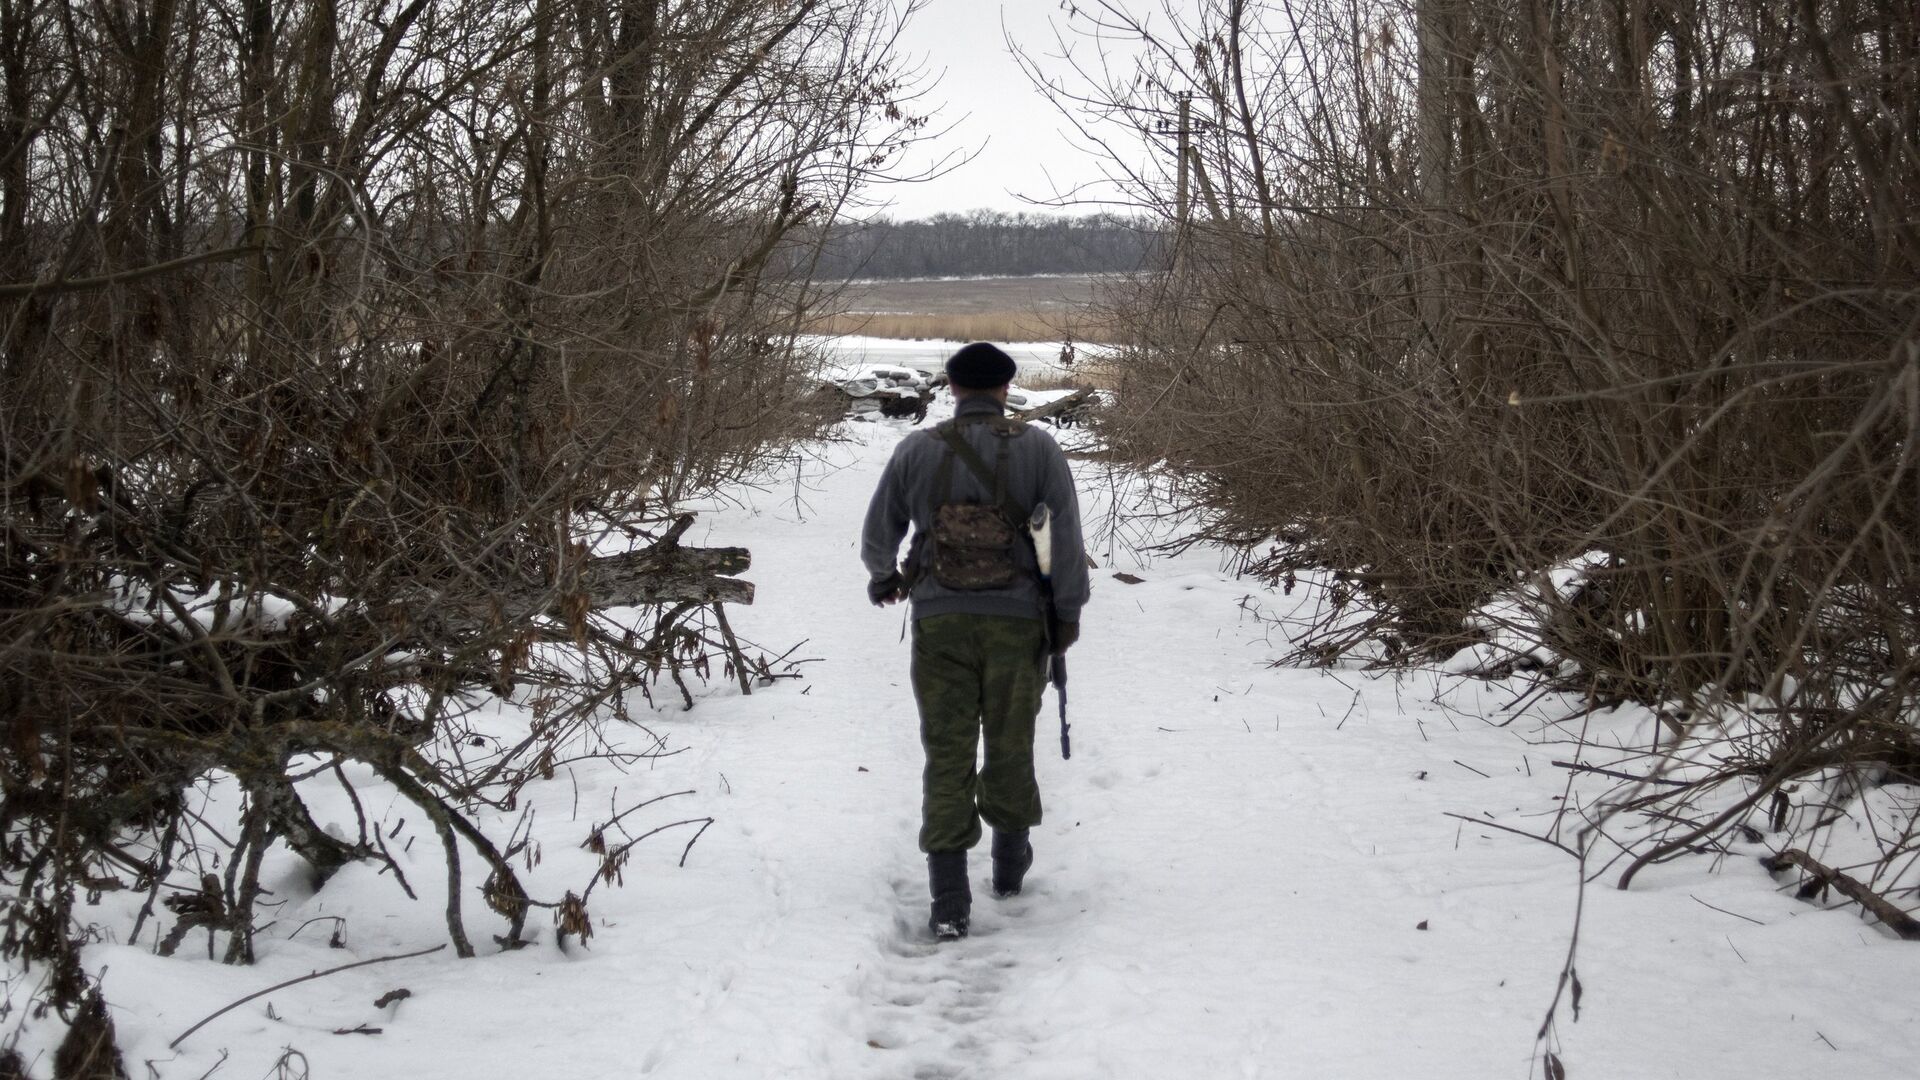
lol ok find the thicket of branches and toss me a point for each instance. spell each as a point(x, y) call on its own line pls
point(333, 337)
point(1468, 291)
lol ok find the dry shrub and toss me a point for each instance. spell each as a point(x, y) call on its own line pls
point(334, 338)
point(1468, 290)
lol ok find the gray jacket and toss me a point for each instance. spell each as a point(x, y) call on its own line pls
point(1036, 472)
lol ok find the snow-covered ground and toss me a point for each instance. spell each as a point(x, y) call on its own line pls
point(1244, 872)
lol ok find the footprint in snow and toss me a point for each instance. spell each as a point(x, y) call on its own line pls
point(939, 1004)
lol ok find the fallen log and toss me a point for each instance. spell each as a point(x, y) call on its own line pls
point(654, 576)
point(1852, 888)
point(665, 573)
point(669, 573)
point(1076, 400)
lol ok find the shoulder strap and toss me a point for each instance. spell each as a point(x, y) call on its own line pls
point(994, 480)
point(943, 485)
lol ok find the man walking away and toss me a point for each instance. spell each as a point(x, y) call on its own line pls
point(983, 626)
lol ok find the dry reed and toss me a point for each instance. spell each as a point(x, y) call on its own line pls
point(972, 326)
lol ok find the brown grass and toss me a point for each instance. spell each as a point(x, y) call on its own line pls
point(971, 326)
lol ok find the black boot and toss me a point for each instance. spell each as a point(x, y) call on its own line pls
point(952, 898)
point(1012, 855)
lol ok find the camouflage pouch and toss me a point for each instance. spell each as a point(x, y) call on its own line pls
point(973, 547)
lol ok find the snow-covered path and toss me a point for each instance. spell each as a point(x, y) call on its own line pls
point(1244, 872)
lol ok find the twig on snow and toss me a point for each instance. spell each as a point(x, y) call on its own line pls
point(1514, 831)
point(1851, 887)
point(224, 1009)
point(1579, 766)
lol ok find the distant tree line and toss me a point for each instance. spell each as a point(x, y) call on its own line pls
point(988, 243)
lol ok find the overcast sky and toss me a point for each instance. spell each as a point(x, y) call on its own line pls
point(1024, 146)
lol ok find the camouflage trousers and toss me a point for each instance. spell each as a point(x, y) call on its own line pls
point(976, 675)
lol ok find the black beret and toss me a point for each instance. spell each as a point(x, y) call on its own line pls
point(980, 366)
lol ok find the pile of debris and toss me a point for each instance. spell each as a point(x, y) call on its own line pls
point(904, 393)
point(897, 393)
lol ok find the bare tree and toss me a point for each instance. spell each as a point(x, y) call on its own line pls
point(339, 341)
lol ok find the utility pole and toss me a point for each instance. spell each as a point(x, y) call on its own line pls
point(1182, 188)
point(1181, 192)
point(1434, 29)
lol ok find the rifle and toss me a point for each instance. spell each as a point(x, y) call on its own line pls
point(1040, 532)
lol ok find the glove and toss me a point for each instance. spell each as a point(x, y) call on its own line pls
point(1063, 634)
point(888, 590)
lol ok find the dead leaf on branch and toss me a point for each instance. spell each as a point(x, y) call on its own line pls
point(571, 919)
